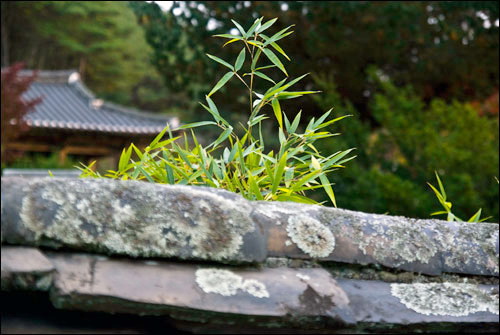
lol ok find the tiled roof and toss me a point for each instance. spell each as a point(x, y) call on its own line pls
point(68, 104)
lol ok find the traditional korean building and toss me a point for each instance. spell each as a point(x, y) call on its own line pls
point(70, 120)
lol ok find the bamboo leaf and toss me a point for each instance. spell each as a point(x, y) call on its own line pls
point(295, 198)
point(170, 174)
point(263, 76)
point(158, 137)
point(229, 36)
point(240, 60)
point(328, 188)
point(220, 61)
point(124, 158)
point(292, 95)
point(221, 82)
point(440, 198)
point(255, 59)
point(165, 143)
point(281, 137)
point(279, 88)
point(276, 37)
point(336, 158)
point(278, 176)
point(280, 50)
point(305, 179)
point(148, 177)
point(439, 213)
point(225, 134)
point(275, 60)
point(289, 172)
point(277, 112)
point(295, 123)
point(323, 125)
point(287, 123)
point(254, 26)
point(315, 163)
point(231, 41)
point(443, 193)
point(476, 217)
point(137, 151)
point(254, 188)
point(213, 108)
point(266, 25)
point(258, 44)
point(322, 118)
point(265, 67)
point(256, 120)
point(239, 27)
point(197, 124)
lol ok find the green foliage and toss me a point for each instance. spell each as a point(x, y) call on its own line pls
point(410, 139)
point(434, 46)
point(244, 164)
point(449, 137)
point(101, 39)
point(441, 196)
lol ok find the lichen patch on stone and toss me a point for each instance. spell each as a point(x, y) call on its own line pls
point(303, 276)
point(227, 283)
point(453, 299)
point(398, 241)
point(255, 288)
point(136, 218)
point(459, 251)
point(223, 282)
point(312, 237)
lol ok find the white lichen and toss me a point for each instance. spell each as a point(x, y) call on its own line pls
point(223, 282)
point(451, 299)
point(255, 288)
point(227, 283)
point(303, 276)
point(310, 236)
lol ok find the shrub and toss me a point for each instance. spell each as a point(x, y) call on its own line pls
point(244, 164)
point(408, 141)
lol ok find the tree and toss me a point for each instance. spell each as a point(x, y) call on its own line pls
point(14, 107)
point(100, 38)
point(414, 139)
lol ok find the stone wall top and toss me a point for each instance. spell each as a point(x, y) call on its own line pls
point(141, 219)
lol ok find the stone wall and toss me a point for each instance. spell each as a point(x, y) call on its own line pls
point(213, 261)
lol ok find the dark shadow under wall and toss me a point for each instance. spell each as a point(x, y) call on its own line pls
point(32, 313)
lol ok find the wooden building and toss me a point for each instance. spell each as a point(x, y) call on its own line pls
point(70, 120)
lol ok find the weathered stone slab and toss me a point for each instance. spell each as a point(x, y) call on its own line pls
point(171, 221)
point(130, 218)
point(258, 297)
point(426, 246)
point(219, 298)
point(25, 269)
point(375, 302)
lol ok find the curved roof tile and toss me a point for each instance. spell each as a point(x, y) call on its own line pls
point(68, 104)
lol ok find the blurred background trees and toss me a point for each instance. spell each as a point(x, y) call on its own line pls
point(420, 79)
